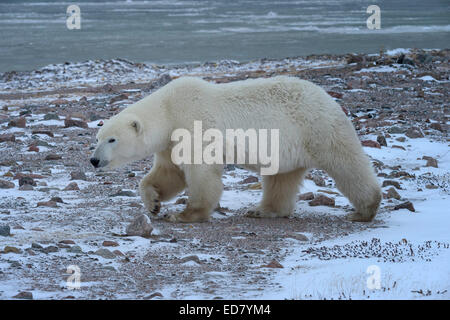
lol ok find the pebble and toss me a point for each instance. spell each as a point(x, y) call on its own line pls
point(322, 200)
point(371, 144)
point(71, 186)
point(105, 253)
point(123, 193)
point(51, 204)
point(7, 137)
point(26, 180)
point(24, 295)
point(75, 249)
point(192, 258)
point(414, 133)
point(319, 181)
point(431, 162)
point(387, 183)
point(392, 193)
point(53, 156)
point(250, 179)
point(306, 196)
point(10, 249)
point(26, 187)
point(140, 226)
point(273, 264)
point(382, 140)
point(75, 123)
point(19, 123)
point(77, 175)
point(108, 243)
point(405, 205)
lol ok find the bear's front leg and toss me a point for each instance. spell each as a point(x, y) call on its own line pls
point(204, 189)
point(162, 183)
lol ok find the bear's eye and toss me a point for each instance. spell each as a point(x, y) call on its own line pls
point(112, 140)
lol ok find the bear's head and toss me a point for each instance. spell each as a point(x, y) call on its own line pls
point(119, 141)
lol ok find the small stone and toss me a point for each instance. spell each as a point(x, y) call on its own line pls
point(123, 193)
point(67, 242)
point(33, 148)
point(405, 205)
point(77, 175)
point(401, 139)
point(36, 246)
point(105, 253)
point(396, 130)
point(10, 249)
point(382, 140)
point(57, 199)
point(75, 123)
point(24, 295)
point(306, 196)
point(19, 123)
point(255, 186)
point(335, 94)
point(319, 181)
point(108, 243)
point(250, 179)
point(193, 258)
point(120, 97)
point(155, 295)
point(5, 184)
point(431, 162)
point(392, 193)
point(387, 183)
point(273, 264)
point(71, 186)
point(431, 186)
point(75, 249)
point(26, 187)
point(7, 137)
point(181, 201)
point(51, 116)
point(140, 226)
point(322, 200)
point(50, 249)
point(436, 126)
point(118, 253)
point(131, 175)
point(53, 156)
point(414, 133)
point(51, 204)
point(26, 180)
point(398, 147)
point(5, 230)
point(371, 144)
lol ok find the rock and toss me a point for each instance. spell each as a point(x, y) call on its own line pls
point(57, 199)
point(50, 249)
point(431, 162)
point(382, 140)
point(5, 230)
point(105, 253)
point(250, 179)
point(67, 242)
point(141, 226)
point(26, 180)
point(398, 147)
point(255, 186)
point(431, 186)
point(273, 264)
point(322, 200)
point(108, 243)
point(75, 249)
point(51, 204)
point(19, 123)
point(24, 295)
point(75, 123)
point(10, 249)
point(335, 94)
point(154, 295)
point(77, 175)
point(319, 181)
point(436, 126)
point(120, 97)
point(123, 193)
point(387, 183)
point(414, 133)
point(5, 184)
point(51, 116)
point(7, 137)
point(193, 258)
point(370, 143)
point(396, 130)
point(401, 139)
point(306, 196)
point(33, 148)
point(36, 246)
point(392, 193)
point(405, 205)
point(53, 156)
point(26, 187)
point(118, 253)
point(71, 186)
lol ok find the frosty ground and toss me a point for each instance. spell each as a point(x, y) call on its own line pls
point(56, 211)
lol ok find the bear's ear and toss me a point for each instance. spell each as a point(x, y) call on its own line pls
point(137, 126)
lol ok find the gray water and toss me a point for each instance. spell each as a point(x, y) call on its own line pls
point(34, 33)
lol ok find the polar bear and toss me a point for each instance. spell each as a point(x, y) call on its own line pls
point(314, 132)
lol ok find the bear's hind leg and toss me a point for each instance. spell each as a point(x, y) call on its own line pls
point(163, 182)
point(279, 192)
point(204, 188)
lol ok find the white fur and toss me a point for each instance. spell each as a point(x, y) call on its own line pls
point(314, 133)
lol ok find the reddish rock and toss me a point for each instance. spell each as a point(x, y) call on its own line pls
point(273, 264)
point(370, 143)
point(7, 137)
point(306, 196)
point(53, 156)
point(67, 242)
point(436, 126)
point(405, 205)
point(387, 183)
point(335, 94)
point(19, 123)
point(120, 97)
point(75, 123)
point(71, 187)
point(51, 204)
point(322, 200)
point(250, 179)
point(33, 148)
point(382, 140)
point(414, 133)
point(398, 147)
point(108, 243)
point(392, 193)
point(431, 162)
point(4, 184)
point(46, 132)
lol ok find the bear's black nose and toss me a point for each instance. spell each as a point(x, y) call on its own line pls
point(95, 162)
